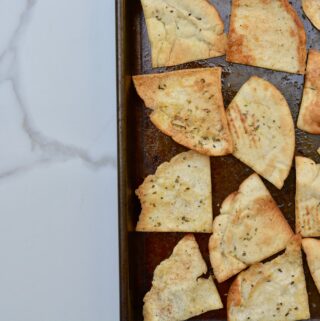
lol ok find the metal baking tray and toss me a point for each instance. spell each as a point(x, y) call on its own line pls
point(141, 148)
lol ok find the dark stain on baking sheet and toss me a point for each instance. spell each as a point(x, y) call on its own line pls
point(142, 148)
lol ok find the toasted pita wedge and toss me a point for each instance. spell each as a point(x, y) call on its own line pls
point(183, 30)
point(318, 150)
point(178, 197)
point(312, 10)
point(262, 129)
point(309, 116)
point(312, 249)
point(178, 292)
point(275, 290)
point(188, 106)
point(267, 34)
point(307, 197)
point(249, 229)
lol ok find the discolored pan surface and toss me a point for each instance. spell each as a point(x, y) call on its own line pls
point(142, 148)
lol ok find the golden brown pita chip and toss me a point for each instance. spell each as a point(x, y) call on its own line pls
point(249, 229)
point(177, 198)
point(309, 116)
point(188, 106)
point(268, 34)
point(307, 197)
point(275, 290)
point(312, 249)
point(312, 10)
point(262, 129)
point(183, 30)
point(178, 290)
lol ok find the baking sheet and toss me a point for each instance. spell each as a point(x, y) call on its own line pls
point(142, 148)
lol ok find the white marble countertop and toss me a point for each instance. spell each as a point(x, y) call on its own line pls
point(58, 200)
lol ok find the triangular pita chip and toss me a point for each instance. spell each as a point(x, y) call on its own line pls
point(178, 291)
point(267, 34)
point(275, 290)
point(188, 106)
point(249, 229)
point(312, 10)
point(312, 249)
point(183, 30)
point(177, 198)
point(307, 197)
point(309, 115)
point(262, 129)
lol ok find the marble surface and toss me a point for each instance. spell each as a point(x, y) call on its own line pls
point(58, 200)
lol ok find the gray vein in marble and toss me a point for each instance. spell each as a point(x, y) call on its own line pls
point(20, 169)
point(51, 149)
